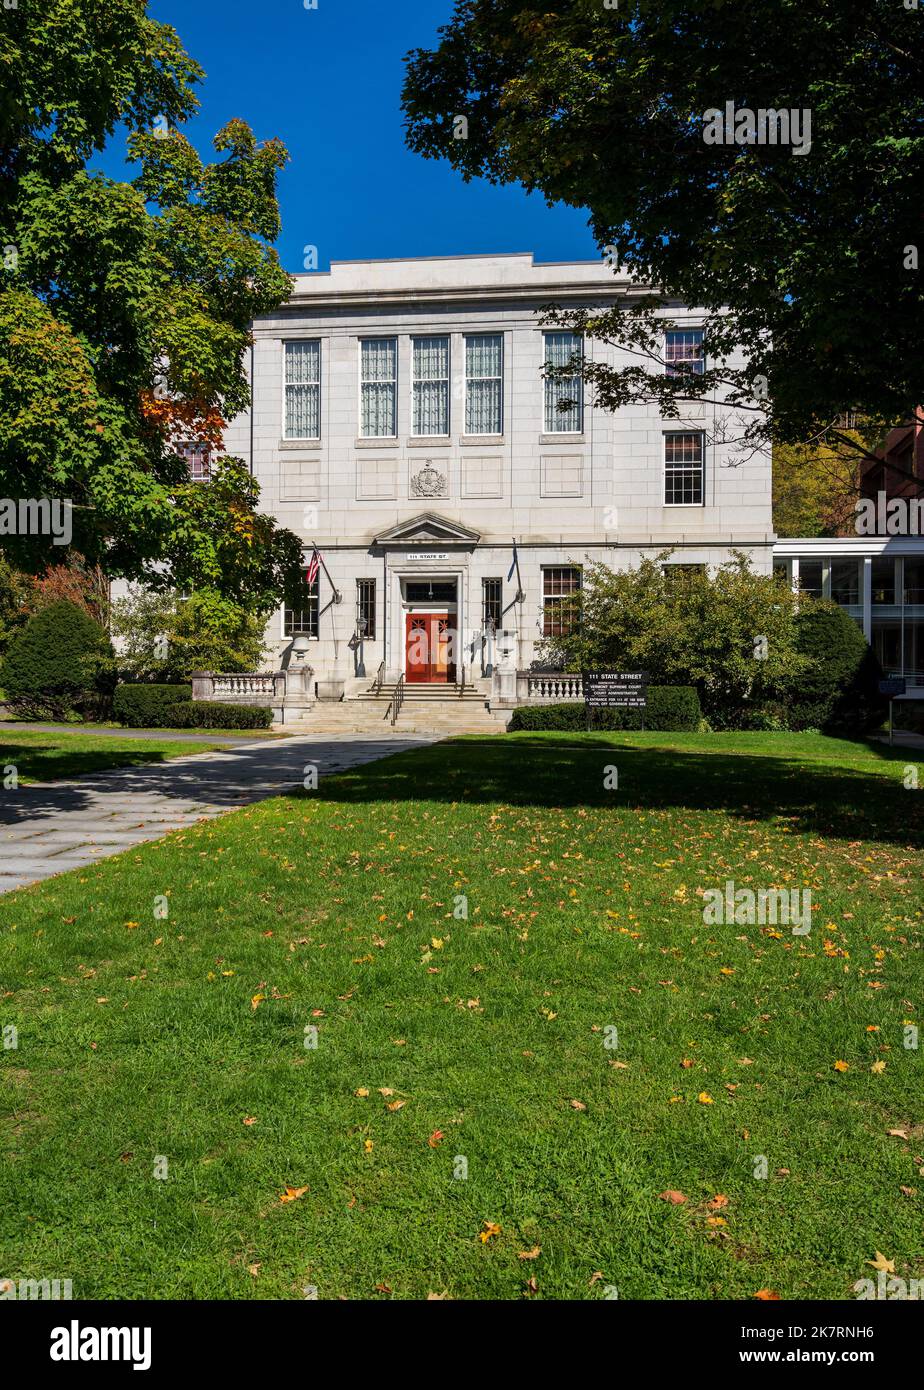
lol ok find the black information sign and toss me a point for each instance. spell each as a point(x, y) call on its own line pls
point(616, 689)
point(894, 685)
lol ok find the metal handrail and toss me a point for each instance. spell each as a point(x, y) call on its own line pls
point(397, 700)
point(379, 679)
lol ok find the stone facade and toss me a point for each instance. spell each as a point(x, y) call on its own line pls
point(421, 513)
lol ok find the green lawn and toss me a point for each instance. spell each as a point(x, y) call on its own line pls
point(47, 757)
point(184, 1039)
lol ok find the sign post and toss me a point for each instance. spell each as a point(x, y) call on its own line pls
point(893, 686)
point(615, 690)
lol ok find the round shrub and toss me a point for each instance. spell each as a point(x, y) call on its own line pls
point(670, 708)
point(839, 694)
point(60, 665)
point(212, 714)
point(147, 706)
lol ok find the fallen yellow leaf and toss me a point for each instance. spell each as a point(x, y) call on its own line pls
point(292, 1194)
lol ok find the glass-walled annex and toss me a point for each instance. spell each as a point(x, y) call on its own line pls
point(880, 583)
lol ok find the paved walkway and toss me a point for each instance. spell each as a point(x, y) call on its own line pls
point(902, 739)
point(56, 826)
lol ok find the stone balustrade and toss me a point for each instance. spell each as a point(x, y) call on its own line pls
point(549, 688)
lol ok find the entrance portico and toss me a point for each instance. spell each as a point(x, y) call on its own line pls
point(430, 623)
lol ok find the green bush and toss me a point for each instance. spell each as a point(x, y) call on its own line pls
point(839, 694)
point(210, 714)
point(60, 665)
point(147, 706)
point(670, 708)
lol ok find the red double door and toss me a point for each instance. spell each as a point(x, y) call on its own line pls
point(430, 639)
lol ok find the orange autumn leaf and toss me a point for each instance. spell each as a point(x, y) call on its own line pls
point(842, 1066)
point(491, 1229)
point(292, 1194)
point(767, 1295)
point(672, 1195)
point(436, 1138)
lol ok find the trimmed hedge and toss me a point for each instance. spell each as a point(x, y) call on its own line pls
point(61, 664)
point(841, 695)
point(148, 706)
point(211, 714)
point(670, 709)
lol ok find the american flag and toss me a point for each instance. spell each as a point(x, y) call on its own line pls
point(314, 565)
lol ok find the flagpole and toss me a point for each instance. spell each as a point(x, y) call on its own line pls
point(516, 560)
point(338, 596)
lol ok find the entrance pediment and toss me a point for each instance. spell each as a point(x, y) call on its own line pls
point(425, 529)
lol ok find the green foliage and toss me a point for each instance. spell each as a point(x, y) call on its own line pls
point(60, 665)
point(125, 308)
point(15, 593)
point(147, 706)
point(685, 626)
point(670, 708)
point(141, 624)
point(220, 543)
point(211, 714)
point(839, 693)
point(602, 108)
point(689, 627)
point(163, 638)
point(212, 633)
point(815, 487)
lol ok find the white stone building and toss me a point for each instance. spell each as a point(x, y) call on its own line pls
point(402, 425)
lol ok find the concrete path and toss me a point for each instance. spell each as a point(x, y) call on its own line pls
point(55, 826)
point(901, 739)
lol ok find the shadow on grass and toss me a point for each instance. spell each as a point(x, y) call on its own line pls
point(833, 800)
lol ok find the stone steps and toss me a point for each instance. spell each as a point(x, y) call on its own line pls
point(372, 717)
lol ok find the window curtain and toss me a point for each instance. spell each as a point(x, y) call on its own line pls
point(303, 391)
point(379, 387)
point(483, 373)
point(431, 385)
point(560, 348)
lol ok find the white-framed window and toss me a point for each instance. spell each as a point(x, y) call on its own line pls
point(563, 391)
point(683, 352)
point(303, 390)
point(561, 585)
point(683, 469)
point(430, 386)
point(484, 383)
point(198, 458)
point(302, 621)
point(378, 375)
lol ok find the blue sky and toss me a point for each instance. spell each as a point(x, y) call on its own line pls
point(328, 83)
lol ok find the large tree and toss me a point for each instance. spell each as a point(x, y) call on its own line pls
point(803, 255)
point(125, 307)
